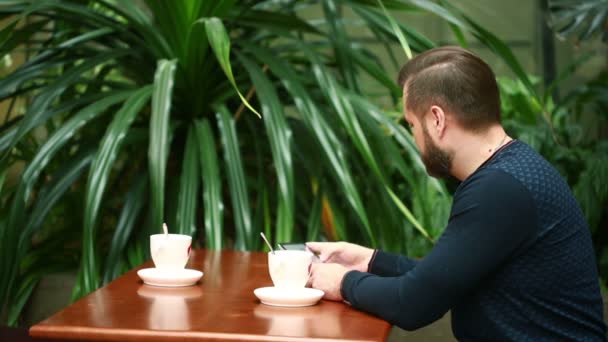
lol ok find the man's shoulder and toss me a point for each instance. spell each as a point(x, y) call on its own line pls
point(490, 187)
point(489, 179)
point(528, 167)
point(523, 162)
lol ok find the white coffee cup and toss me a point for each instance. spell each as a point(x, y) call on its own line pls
point(171, 251)
point(289, 268)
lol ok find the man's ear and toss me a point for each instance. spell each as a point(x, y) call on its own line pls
point(439, 120)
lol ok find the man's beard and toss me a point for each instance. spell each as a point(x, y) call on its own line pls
point(438, 162)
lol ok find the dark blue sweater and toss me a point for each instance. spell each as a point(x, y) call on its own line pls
point(515, 262)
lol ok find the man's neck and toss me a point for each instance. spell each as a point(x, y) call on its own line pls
point(472, 150)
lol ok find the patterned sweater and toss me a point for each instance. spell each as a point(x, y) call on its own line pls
point(515, 263)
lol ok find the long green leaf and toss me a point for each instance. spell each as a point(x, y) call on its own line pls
point(50, 58)
point(261, 19)
point(2, 179)
point(65, 107)
point(491, 41)
point(30, 176)
point(459, 36)
point(404, 45)
point(375, 71)
point(7, 31)
point(60, 137)
point(96, 185)
point(50, 195)
point(39, 107)
point(314, 219)
point(406, 141)
point(158, 148)
point(212, 186)
point(47, 198)
point(408, 214)
point(189, 182)
point(341, 43)
point(439, 10)
point(343, 108)
point(321, 130)
point(416, 40)
point(126, 222)
point(139, 18)
point(279, 135)
point(135, 255)
point(220, 43)
point(26, 287)
point(236, 180)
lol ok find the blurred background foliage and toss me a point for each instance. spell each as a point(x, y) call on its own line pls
point(227, 118)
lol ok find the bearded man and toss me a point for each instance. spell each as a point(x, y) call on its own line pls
point(515, 262)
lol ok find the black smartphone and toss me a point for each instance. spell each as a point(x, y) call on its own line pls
point(295, 246)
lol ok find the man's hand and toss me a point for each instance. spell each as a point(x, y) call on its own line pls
point(328, 278)
point(351, 256)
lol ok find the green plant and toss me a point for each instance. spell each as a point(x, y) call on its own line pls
point(139, 113)
point(144, 112)
point(583, 17)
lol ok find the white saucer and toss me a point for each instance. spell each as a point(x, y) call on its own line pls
point(156, 277)
point(288, 297)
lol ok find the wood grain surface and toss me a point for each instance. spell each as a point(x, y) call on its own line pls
point(220, 307)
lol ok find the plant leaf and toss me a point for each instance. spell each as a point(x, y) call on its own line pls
point(130, 211)
point(341, 44)
point(220, 43)
point(336, 97)
point(236, 180)
point(189, 182)
point(408, 214)
point(314, 219)
point(158, 147)
point(96, 185)
point(279, 135)
point(36, 114)
point(212, 186)
point(397, 31)
point(48, 197)
point(274, 21)
point(320, 129)
point(30, 176)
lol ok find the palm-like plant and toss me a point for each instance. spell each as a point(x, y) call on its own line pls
point(140, 114)
point(144, 112)
point(584, 18)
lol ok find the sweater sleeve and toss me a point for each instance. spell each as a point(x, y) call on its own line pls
point(388, 265)
point(492, 216)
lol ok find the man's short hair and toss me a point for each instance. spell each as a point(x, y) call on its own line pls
point(456, 80)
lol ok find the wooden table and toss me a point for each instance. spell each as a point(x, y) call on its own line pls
point(221, 307)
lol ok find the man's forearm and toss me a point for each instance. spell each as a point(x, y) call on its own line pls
point(390, 265)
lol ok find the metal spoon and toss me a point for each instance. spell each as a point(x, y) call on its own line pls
point(268, 243)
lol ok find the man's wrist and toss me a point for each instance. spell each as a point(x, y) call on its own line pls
point(342, 293)
point(364, 265)
point(371, 261)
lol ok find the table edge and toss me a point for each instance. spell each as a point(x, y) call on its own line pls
point(121, 334)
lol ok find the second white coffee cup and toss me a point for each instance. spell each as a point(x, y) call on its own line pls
point(289, 268)
point(171, 251)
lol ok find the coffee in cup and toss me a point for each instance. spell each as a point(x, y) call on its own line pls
point(170, 251)
point(289, 268)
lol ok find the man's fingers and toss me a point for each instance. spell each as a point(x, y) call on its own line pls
point(323, 249)
point(309, 282)
point(312, 268)
point(311, 275)
point(316, 247)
